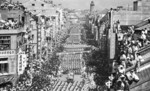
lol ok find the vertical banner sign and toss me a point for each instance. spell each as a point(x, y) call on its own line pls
point(19, 64)
point(22, 62)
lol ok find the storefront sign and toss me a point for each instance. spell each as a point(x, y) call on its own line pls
point(5, 79)
point(22, 59)
point(7, 52)
point(20, 64)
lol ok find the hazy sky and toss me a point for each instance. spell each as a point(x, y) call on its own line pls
point(84, 4)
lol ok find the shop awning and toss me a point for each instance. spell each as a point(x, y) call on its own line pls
point(8, 78)
point(142, 25)
point(125, 27)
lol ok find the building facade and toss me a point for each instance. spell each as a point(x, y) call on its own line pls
point(12, 30)
point(51, 22)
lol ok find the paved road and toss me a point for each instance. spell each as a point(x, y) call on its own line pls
point(71, 61)
point(73, 44)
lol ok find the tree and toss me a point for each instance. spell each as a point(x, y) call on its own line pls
point(100, 65)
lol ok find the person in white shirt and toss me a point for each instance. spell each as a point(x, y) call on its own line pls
point(139, 44)
point(121, 69)
point(139, 60)
point(123, 57)
point(146, 31)
point(108, 84)
point(120, 38)
point(143, 37)
point(132, 77)
point(135, 50)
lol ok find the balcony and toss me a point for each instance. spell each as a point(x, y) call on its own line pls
point(11, 27)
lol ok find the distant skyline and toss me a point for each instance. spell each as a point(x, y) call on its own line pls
point(85, 4)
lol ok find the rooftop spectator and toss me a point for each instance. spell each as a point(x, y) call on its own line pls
point(128, 48)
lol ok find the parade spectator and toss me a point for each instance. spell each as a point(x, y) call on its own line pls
point(143, 37)
point(120, 85)
point(132, 30)
point(120, 38)
point(10, 24)
point(138, 61)
point(118, 26)
point(130, 62)
point(132, 77)
point(121, 69)
point(4, 89)
point(146, 31)
point(115, 66)
point(139, 44)
point(108, 85)
point(135, 50)
point(128, 48)
point(130, 51)
point(111, 77)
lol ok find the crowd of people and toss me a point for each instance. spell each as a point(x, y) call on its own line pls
point(24, 81)
point(31, 80)
point(10, 24)
point(88, 78)
point(128, 56)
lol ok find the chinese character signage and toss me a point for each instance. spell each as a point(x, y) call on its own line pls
point(7, 52)
point(22, 59)
point(12, 65)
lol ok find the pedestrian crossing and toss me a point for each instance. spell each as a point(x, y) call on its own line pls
point(8, 78)
point(64, 86)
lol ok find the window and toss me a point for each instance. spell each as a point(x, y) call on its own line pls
point(33, 4)
point(5, 43)
point(42, 4)
point(4, 65)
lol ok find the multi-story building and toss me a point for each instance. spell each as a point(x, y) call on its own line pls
point(124, 15)
point(12, 56)
point(51, 22)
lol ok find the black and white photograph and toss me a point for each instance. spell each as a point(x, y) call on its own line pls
point(74, 45)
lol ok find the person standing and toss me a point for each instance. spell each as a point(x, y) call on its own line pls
point(70, 77)
point(138, 61)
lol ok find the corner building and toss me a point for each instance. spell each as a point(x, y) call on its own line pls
point(12, 22)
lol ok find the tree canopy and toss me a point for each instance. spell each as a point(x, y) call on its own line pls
point(100, 65)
